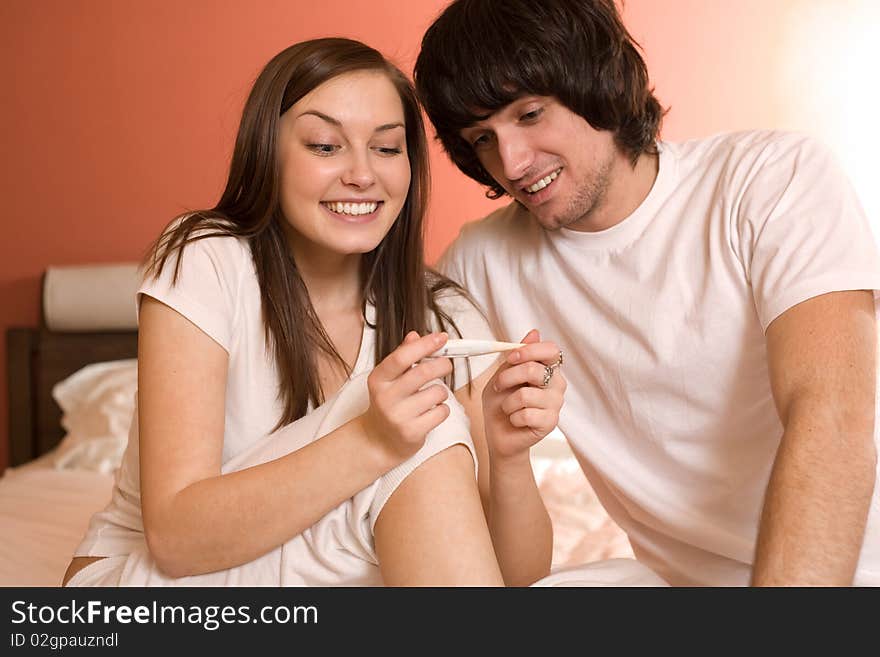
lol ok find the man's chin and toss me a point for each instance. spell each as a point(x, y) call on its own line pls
point(546, 220)
point(552, 224)
point(554, 221)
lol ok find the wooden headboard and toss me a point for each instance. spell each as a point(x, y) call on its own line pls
point(36, 360)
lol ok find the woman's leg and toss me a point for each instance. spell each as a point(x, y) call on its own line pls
point(76, 565)
point(432, 531)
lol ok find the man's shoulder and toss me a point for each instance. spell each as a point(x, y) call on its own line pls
point(747, 146)
point(487, 243)
point(503, 222)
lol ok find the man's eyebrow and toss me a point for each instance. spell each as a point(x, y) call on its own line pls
point(476, 118)
point(337, 122)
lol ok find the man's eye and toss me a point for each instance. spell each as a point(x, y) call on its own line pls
point(481, 141)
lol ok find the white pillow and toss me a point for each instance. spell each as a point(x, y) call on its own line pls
point(97, 404)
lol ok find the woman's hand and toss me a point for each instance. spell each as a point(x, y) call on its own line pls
point(403, 409)
point(518, 408)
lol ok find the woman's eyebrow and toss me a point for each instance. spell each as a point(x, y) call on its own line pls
point(337, 122)
point(389, 126)
point(321, 115)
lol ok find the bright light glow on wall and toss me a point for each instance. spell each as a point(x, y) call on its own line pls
point(832, 86)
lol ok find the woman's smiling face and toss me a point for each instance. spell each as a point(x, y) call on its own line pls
point(343, 163)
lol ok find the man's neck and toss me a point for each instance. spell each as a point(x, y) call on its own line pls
point(628, 187)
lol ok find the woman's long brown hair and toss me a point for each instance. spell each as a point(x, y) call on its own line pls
point(394, 277)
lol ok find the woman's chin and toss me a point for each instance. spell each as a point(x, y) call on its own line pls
point(353, 247)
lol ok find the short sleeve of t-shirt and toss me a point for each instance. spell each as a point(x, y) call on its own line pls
point(454, 430)
point(801, 228)
point(470, 324)
point(207, 285)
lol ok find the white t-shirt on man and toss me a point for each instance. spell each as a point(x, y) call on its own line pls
point(662, 318)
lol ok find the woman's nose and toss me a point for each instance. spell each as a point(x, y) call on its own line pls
point(359, 173)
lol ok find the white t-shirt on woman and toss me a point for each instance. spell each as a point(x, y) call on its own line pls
point(218, 291)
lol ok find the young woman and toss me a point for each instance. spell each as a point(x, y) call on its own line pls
point(290, 426)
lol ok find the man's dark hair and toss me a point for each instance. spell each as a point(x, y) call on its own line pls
point(481, 55)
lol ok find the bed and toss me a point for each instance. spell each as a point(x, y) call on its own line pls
point(72, 383)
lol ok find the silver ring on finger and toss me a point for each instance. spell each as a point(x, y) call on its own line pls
point(548, 374)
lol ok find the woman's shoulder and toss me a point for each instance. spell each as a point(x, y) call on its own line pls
point(215, 235)
point(204, 273)
point(198, 259)
point(199, 243)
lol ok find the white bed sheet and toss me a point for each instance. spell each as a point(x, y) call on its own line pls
point(44, 513)
point(582, 530)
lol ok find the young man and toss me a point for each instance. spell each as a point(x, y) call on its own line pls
point(714, 299)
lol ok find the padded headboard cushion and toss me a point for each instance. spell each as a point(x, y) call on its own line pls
point(91, 298)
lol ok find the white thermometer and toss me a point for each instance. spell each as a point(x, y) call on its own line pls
point(466, 348)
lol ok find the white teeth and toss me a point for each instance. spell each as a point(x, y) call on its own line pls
point(352, 208)
point(543, 182)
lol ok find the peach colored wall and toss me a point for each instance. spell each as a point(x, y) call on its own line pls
point(120, 114)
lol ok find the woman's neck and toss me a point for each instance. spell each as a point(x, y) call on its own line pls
point(332, 279)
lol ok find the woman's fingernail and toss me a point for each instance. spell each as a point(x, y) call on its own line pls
point(514, 357)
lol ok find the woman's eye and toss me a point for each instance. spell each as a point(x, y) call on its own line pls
point(323, 149)
point(531, 116)
point(389, 150)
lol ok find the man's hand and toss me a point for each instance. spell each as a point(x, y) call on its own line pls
point(518, 408)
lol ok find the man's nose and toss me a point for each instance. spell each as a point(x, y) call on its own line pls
point(516, 157)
